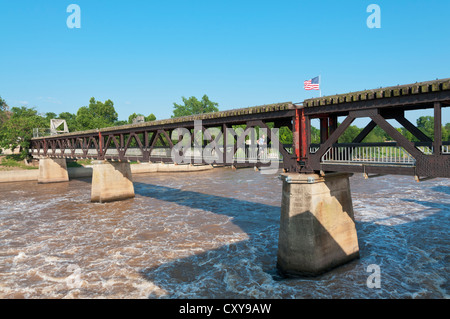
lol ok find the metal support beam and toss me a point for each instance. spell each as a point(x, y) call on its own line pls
point(323, 129)
point(363, 134)
point(413, 129)
point(333, 138)
point(437, 143)
point(392, 132)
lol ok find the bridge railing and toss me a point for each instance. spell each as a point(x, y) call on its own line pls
point(41, 132)
point(247, 154)
point(375, 154)
point(382, 153)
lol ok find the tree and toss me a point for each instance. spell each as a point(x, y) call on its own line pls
point(50, 116)
point(3, 106)
point(18, 129)
point(446, 132)
point(133, 116)
point(408, 135)
point(194, 106)
point(4, 116)
point(71, 120)
point(377, 135)
point(315, 135)
point(4, 113)
point(120, 123)
point(426, 125)
point(349, 134)
point(96, 115)
point(149, 118)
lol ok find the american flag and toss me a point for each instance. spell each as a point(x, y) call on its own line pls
point(312, 84)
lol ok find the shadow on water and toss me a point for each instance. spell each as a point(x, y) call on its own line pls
point(245, 214)
point(442, 189)
point(214, 274)
point(200, 269)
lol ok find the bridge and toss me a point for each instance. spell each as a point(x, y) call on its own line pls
point(154, 141)
point(317, 230)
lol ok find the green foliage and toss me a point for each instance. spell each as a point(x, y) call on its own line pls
point(315, 135)
point(18, 130)
point(79, 163)
point(426, 125)
point(4, 116)
point(132, 117)
point(377, 135)
point(349, 134)
point(16, 126)
point(50, 115)
point(445, 133)
point(193, 106)
point(96, 115)
point(119, 123)
point(285, 135)
point(408, 135)
point(71, 120)
point(3, 106)
point(15, 161)
point(149, 118)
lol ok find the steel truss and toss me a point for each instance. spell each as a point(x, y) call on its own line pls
point(155, 141)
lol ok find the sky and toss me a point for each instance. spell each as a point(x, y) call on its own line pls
point(147, 55)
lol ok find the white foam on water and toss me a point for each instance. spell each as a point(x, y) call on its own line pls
point(216, 239)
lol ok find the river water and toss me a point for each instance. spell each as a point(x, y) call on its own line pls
point(213, 234)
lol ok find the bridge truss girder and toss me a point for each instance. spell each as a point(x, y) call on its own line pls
point(146, 140)
point(436, 164)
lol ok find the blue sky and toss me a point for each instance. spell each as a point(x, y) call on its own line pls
point(146, 55)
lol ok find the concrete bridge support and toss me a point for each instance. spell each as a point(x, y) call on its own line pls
point(52, 170)
point(317, 230)
point(111, 181)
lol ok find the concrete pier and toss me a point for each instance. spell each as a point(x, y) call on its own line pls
point(111, 181)
point(317, 229)
point(52, 170)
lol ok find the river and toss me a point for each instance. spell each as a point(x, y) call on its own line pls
point(213, 234)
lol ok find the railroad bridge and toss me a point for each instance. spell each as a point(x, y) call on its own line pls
point(317, 230)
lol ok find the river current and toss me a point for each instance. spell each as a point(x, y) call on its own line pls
point(213, 234)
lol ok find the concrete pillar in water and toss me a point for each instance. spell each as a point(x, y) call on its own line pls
point(52, 170)
point(317, 229)
point(111, 181)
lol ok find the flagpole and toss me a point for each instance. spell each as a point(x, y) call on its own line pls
point(320, 85)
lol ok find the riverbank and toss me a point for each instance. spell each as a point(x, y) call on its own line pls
point(18, 175)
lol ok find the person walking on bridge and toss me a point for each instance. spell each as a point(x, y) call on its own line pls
point(262, 145)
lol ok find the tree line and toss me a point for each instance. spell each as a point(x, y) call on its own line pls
point(17, 123)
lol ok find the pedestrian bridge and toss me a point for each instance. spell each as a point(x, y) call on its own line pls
point(317, 230)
